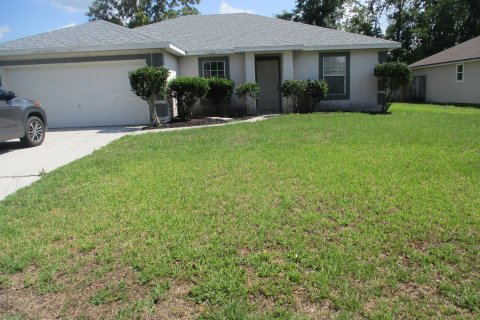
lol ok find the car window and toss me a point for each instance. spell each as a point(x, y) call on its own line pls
point(3, 94)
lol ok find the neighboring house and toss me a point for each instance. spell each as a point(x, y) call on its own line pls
point(451, 76)
point(80, 73)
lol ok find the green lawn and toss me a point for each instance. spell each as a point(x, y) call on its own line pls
point(337, 215)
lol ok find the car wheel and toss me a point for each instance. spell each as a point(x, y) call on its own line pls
point(34, 132)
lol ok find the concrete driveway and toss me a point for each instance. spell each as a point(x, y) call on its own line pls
point(19, 167)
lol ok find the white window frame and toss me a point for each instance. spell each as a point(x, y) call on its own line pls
point(344, 75)
point(215, 61)
point(457, 73)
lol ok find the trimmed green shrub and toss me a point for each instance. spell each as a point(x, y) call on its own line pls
point(150, 83)
point(315, 90)
point(303, 95)
point(249, 91)
point(293, 90)
point(394, 74)
point(188, 90)
point(220, 90)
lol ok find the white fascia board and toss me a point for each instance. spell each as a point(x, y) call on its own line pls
point(175, 50)
point(393, 45)
point(270, 48)
point(133, 46)
point(209, 52)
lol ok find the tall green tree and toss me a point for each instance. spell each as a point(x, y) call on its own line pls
point(322, 13)
point(364, 18)
point(134, 13)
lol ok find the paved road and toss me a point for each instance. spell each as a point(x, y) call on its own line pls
point(19, 167)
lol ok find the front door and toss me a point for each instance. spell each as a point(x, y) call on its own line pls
point(9, 126)
point(268, 77)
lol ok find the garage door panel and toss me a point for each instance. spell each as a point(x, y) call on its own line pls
point(81, 94)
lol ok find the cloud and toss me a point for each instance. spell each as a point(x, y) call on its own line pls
point(4, 30)
point(226, 8)
point(71, 6)
point(71, 24)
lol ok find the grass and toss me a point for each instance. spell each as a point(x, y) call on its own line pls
point(337, 215)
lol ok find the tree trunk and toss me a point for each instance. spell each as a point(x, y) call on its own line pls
point(153, 112)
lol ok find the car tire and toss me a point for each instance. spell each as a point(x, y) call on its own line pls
point(34, 132)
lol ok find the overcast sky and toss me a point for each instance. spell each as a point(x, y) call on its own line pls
point(21, 18)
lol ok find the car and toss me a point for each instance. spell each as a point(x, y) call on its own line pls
point(21, 118)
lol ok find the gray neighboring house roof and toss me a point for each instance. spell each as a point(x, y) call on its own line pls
point(242, 32)
point(468, 50)
point(94, 36)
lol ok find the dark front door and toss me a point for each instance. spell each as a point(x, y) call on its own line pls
point(268, 77)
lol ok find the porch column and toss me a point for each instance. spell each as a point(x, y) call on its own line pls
point(250, 77)
point(287, 74)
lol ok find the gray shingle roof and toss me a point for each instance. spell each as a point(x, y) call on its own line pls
point(94, 34)
point(229, 31)
point(464, 51)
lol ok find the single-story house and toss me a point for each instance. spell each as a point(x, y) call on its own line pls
point(80, 73)
point(451, 76)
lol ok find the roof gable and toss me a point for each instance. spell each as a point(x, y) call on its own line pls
point(94, 34)
point(229, 31)
point(464, 51)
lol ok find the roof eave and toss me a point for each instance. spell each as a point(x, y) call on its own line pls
point(412, 66)
point(134, 46)
point(388, 46)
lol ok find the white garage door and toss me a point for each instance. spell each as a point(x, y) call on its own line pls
point(81, 94)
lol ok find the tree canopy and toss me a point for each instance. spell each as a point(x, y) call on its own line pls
point(424, 27)
point(135, 13)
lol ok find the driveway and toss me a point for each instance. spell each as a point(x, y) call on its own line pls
point(19, 167)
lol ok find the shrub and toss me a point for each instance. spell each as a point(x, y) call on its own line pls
point(250, 91)
point(293, 90)
point(220, 89)
point(394, 74)
point(188, 90)
point(149, 83)
point(315, 90)
point(303, 95)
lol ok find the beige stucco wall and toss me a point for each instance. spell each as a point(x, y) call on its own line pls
point(443, 88)
point(363, 83)
point(171, 63)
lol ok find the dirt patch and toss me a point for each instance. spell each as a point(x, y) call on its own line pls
point(313, 310)
point(92, 295)
point(195, 122)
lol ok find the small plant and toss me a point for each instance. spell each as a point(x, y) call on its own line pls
point(249, 91)
point(220, 90)
point(394, 74)
point(149, 83)
point(293, 90)
point(315, 90)
point(188, 90)
point(303, 95)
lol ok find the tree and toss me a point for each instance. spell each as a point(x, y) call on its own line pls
point(394, 74)
point(322, 13)
point(149, 83)
point(364, 18)
point(134, 13)
point(188, 91)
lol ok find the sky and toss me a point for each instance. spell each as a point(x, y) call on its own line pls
point(22, 18)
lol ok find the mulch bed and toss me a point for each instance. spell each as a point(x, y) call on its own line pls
point(181, 123)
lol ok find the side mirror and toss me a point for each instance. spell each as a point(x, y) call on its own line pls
point(11, 95)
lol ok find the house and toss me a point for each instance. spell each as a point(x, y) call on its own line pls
point(451, 76)
point(80, 73)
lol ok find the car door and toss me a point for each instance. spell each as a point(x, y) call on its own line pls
point(10, 126)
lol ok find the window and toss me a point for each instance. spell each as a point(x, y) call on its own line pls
point(214, 69)
point(210, 67)
point(335, 70)
point(460, 71)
